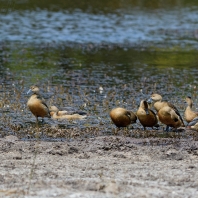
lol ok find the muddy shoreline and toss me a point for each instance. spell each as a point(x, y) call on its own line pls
point(103, 166)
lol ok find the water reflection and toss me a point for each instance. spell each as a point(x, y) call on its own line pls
point(95, 6)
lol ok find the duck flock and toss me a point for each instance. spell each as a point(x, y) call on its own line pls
point(166, 112)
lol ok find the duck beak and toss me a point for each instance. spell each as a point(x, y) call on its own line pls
point(150, 101)
point(29, 91)
point(147, 112)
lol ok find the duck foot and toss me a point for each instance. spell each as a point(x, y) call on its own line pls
point(167, 129)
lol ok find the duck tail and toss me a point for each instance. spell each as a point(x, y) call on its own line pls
point(49, 115)
point(80, 113)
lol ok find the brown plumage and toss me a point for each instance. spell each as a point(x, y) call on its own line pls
point(36, 104)
point(195, 127)
point(168, 114)
point(122, 117)
point(59, 113)
point(189, 114)
point(146, 116)
point(193, 124)
point(169, 117)
point(65, 115)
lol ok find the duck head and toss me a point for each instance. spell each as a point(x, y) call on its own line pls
point(144, 105)
point(33, 89)
point(154, 98)
point(188, 100)
point(53, 109)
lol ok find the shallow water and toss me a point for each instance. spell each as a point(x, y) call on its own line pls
point(131, 49)
point(122, 26)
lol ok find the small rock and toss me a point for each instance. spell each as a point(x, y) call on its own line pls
point(171, 152)
point(72, 150)
point(84, 156)
point(100, 152)
point(119, 155)
point(11, 138)
point(106, 148)
point(112, 187)
point(2, 180)
point(57, 151)
point(174, 154)
point(15, 155)
point(122, 148)
point(191, 167)
point(93, 186)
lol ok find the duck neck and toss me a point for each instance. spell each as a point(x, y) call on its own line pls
point(158, 105)
point(36, 93)
point(189, 108)
point(190, 105)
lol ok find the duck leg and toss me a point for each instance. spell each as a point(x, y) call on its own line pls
point(167, 128)
point(175, 130)
point(37, 122)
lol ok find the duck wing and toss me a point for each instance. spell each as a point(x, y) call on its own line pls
point(80, 112)
point(176, 111)
point(193, 122)
point(43, 103)
point(152, 111)
point(71, 112)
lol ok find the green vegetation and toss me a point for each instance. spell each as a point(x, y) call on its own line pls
point(92, 5)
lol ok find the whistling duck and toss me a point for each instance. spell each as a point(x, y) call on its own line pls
point(36, 104)
point(122, 117)
point(189, 114)
point(67, 115)
point(146, 116)
point(168, 114)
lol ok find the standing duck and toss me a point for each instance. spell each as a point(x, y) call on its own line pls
point(36, 104)
point(170, 118)
point(122, 117)
point(146, 116)
point(189, 114)
point(168, 114)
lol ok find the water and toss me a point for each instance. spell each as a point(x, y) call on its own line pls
point(122, 27)
point(70, 49)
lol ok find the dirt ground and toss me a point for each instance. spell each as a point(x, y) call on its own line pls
point(100, 167)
